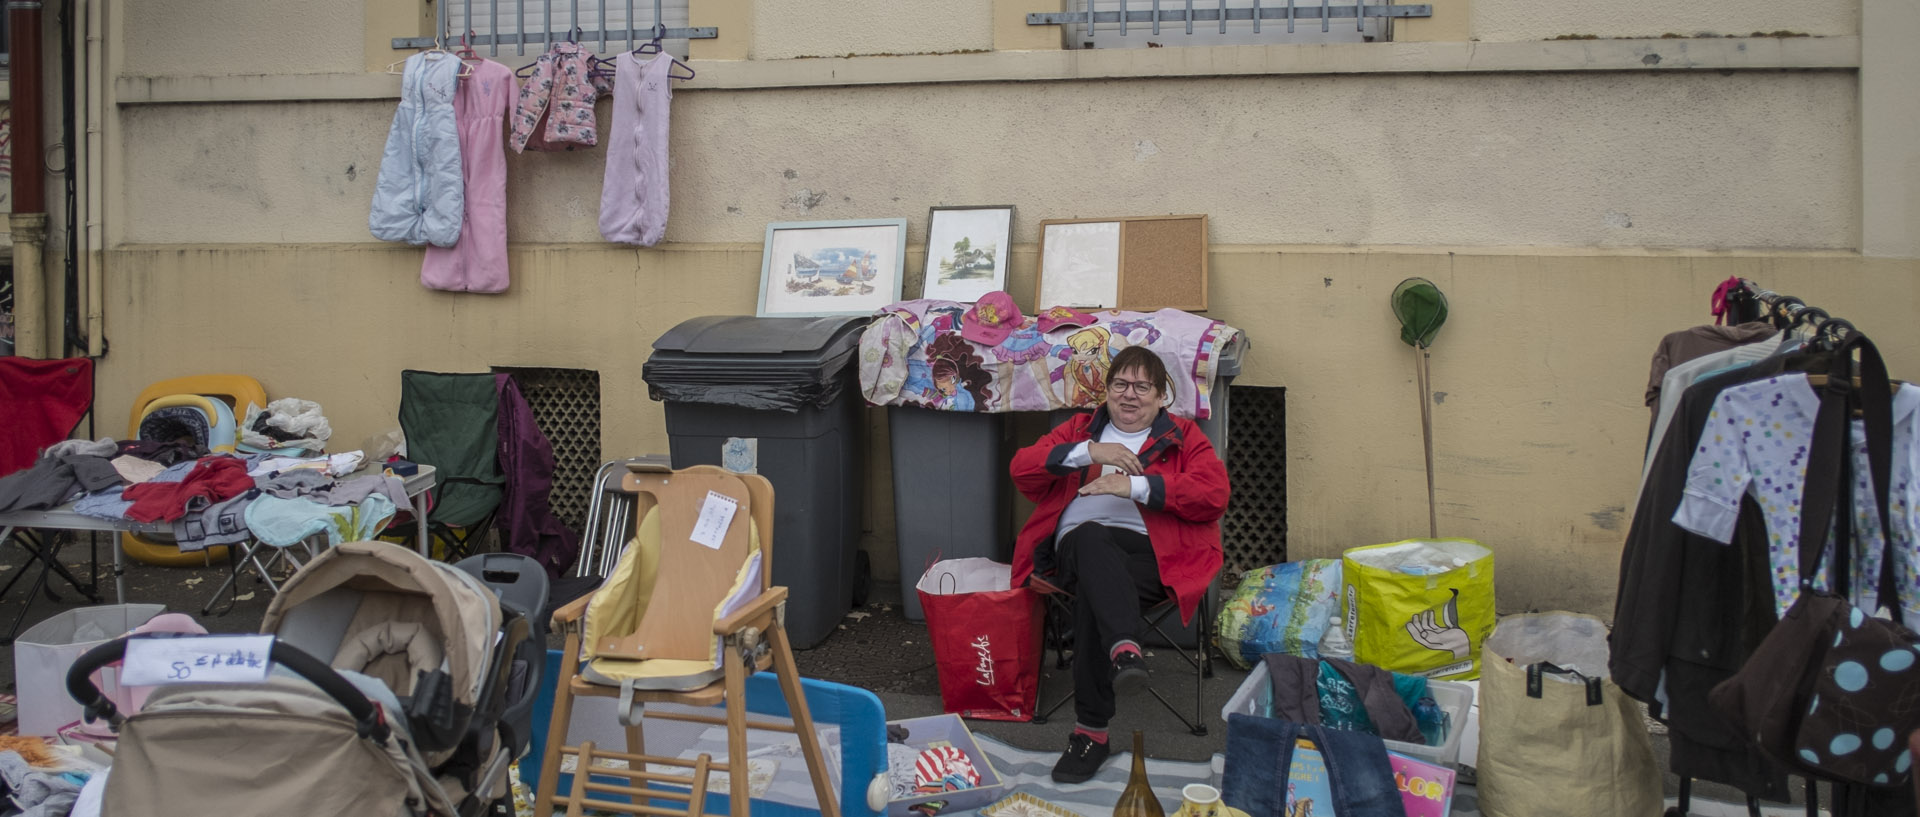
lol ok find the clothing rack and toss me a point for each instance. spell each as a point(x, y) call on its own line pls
point(1786, 312)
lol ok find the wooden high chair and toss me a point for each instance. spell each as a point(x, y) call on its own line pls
point(677, 586)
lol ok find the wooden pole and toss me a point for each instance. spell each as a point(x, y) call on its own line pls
point(1425, 379)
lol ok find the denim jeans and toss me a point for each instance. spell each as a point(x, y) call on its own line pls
point(1260, 750)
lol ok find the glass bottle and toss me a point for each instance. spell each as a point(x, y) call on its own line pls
point(1138, 800)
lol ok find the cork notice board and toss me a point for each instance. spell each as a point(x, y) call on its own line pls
point(1141, 263)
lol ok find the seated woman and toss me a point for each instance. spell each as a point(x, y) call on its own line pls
point(1128, 500)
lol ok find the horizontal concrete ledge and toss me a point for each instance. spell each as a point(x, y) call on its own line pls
point(1216, 249)
point(1724, 54)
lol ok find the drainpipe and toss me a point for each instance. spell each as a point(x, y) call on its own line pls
point(91, 173)
point(29, 218)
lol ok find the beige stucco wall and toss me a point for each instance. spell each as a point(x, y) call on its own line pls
point(212, 37)
point(1551, 187)
point(837, 28)
point(1621, 159)
point(1497, 20)
point(1539, 373)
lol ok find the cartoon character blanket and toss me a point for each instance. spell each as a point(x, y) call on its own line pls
point(913, 355)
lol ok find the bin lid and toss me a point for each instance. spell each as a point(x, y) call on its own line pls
point(755, 363)
point(748, 335)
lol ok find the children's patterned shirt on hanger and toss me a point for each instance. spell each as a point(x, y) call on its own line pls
point(1755, 442)
point(555, 110)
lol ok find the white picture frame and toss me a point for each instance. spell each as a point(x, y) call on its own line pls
point(967, 251)
point(1079, 264)
point(822, 268)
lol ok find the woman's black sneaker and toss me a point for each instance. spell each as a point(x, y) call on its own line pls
point(1083, 757)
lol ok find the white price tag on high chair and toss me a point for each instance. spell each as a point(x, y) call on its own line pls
point(715, 515)
point(197, 659)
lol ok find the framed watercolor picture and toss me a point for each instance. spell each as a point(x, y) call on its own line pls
point(967, 251)
point(813, 268)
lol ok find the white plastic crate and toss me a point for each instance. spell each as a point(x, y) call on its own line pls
point(1255, 697)
point(42, 654)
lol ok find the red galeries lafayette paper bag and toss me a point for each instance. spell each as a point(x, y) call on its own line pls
point(986, 638)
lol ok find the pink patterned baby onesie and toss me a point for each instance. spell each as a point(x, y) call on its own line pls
point(478, 261)
point(633, 198)
point(556, 105)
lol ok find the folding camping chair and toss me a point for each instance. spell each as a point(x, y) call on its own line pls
point(451, 423)
point(671, 604)
point(1058, 636)
point(43, 402)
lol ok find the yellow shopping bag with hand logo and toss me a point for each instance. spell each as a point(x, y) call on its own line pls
point(1419, 606)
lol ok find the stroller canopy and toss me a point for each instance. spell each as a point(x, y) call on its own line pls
point(386, 611)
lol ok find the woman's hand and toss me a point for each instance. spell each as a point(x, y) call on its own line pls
point(1119, 485)
point(1116, 455)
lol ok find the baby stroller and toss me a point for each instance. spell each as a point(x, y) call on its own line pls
point(400, 686)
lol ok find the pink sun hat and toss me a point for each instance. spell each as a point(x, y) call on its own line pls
point(991, 319)
point(1063, 316)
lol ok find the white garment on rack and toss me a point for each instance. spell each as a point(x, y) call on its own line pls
point(1686, 374)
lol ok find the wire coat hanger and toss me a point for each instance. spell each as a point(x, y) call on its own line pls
point(439, 48)
point(653, 47)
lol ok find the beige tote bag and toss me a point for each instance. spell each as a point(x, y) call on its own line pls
point(1557, 736)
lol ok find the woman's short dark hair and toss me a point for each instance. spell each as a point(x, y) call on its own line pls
point(1144, 359)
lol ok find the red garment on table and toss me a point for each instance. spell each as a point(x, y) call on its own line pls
point(42, 401)
point(216, 479)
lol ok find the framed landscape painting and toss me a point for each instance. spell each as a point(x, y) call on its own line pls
point(815, 268)
point(967, 251)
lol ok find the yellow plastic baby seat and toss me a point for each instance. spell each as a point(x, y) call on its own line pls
point(686, 615)
point(237, 391)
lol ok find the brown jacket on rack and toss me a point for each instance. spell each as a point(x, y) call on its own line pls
point(1699, 341)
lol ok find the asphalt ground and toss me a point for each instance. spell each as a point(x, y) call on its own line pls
point(875, 647)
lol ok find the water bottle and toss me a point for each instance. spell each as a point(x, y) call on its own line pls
point(1335, 643)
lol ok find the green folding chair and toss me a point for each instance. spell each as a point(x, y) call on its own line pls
point(451, 423)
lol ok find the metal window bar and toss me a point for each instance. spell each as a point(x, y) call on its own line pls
point(1326, 13)
point(520, 36)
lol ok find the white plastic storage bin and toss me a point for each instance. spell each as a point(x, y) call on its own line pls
point(42, 654)
point(1255, 697)
point(951, 731)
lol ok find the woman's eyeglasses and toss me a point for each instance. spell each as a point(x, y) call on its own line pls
point(1142, 388)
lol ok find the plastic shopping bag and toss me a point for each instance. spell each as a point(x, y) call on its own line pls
point(1284, 608)
point(1557, 736)
point(986, 638)
point(1421, 606)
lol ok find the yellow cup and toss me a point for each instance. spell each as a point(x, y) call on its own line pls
point(1201, 800)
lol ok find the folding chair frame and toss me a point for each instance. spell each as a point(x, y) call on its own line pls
point(40, 546)
point(246, 554)
point(1058, 633)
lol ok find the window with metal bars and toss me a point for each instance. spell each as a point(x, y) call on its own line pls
point(1160, 23)
point(505, 29)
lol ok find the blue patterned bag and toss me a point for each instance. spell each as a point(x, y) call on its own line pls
point(1280, 609)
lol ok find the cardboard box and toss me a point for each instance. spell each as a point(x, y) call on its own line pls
point(924, 733)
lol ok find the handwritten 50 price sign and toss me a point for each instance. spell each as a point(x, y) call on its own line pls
point(205, 659)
